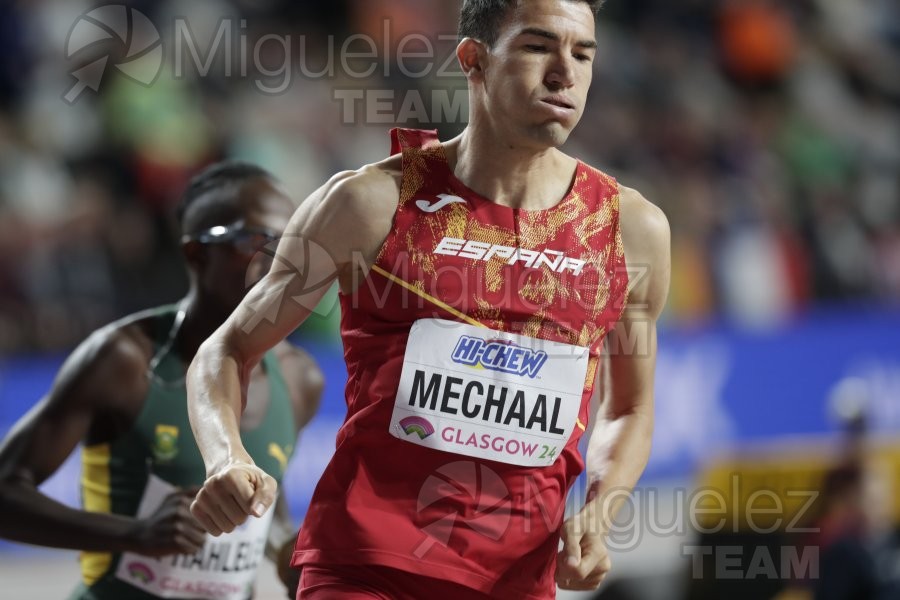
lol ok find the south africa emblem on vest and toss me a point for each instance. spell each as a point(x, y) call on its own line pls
point(165, 445)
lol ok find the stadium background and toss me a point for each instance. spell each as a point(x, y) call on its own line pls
point(769, 132)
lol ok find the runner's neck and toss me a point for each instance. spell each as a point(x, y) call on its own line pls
point(201, 320)
point(520, 178)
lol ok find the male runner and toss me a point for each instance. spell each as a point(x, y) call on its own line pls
point(122, 394)
point(479, 278)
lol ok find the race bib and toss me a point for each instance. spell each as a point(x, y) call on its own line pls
point(224, 569)
point(488, 394)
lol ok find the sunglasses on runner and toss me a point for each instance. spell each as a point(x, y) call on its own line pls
point(246, 240)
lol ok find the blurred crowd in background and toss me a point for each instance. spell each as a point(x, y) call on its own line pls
point(768, 130)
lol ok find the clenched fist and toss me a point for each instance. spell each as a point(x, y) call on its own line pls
point(230, 496)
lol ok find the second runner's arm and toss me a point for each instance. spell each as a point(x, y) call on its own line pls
point(101, 383)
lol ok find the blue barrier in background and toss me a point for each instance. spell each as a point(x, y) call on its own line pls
point(721, 388)
point(717, 388)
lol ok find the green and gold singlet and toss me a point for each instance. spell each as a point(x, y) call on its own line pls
point(158, 452)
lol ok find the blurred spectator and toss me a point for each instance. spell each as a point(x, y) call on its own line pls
point(757, 38)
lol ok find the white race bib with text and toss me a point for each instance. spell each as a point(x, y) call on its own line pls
point(224, 569)
point(488, 394)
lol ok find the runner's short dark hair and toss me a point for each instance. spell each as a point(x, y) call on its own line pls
point(481, 19)
point(210, 196)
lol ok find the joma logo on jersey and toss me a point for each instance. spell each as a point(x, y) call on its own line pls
point(552, 259)
point(498, 355)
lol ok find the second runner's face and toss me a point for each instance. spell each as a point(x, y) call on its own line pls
point(538, 73)
point(235, 266)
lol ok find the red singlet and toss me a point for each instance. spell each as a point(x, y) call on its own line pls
point(471, 350)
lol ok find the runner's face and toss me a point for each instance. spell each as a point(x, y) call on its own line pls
point(538, 73)
point(236, 265)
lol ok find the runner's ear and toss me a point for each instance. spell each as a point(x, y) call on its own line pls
point(470, 54)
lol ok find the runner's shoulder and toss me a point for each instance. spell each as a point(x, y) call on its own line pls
point(647, 239)
point(640, 218)
point(371, 186)
point(296, 361)
point(304, 379)
point(116, 355)
point(360, 204)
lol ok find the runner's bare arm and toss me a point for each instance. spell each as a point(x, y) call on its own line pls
point(620, 443)
point(305, 383)
point(348, 218)
point(99, 384)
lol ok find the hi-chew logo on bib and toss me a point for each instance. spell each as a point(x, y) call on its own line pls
point(499, 355)
point(488, 394)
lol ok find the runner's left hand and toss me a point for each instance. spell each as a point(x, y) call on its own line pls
point(583, 563)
